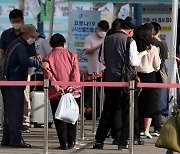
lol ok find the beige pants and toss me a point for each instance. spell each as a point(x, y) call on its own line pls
point(27, 105)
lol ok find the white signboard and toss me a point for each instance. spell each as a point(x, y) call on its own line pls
point(84, 23)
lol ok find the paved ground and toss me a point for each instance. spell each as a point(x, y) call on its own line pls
point(35, 138)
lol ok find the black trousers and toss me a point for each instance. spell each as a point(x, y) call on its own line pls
point(13, 98)
point(114, 100)
point(66, 132)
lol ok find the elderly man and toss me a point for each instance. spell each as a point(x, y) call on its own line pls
point(14, 95)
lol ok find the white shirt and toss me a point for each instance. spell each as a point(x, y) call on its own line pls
point(94, 66)
point(43, 48)
point(135, 60)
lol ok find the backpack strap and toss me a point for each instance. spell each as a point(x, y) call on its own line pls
point(9, 54)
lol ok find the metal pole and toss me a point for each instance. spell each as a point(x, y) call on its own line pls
point(70, 26)
point(131, 118)
point(82, 111)
point(51, 19)
point(174, 42)
point(101, 97)
point(46, 101)
point(94, 106)
point(21, 5)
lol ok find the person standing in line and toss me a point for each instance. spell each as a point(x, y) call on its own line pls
point(16, 18)
point(14, 95)
point(64, 67)
point(92, 46)
point(148, 100)
point(43, 48)
point(114, 55)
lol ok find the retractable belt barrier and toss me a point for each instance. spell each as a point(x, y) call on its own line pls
point(83, 84)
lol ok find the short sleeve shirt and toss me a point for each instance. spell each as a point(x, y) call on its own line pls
point(6, 38)
point(94, 66)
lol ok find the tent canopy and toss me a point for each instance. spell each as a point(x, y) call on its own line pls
point(125, 1)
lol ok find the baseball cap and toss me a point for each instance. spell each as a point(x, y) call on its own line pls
point(29, 28)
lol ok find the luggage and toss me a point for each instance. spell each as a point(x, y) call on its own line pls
point(37, 108)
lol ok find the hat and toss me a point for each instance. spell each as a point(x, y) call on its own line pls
point(131, 22)
point(29, 28)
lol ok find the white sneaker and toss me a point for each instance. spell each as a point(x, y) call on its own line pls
point(148, 136)
point(142, 134)
point(156, 133)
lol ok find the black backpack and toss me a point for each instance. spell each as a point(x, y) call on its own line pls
point(4, 63)
point(127, 71)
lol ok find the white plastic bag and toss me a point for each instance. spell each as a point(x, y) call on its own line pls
point(68, 109)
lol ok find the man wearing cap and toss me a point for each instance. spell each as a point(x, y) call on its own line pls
point(16, 19)
point(14, 95)
point(114, 56)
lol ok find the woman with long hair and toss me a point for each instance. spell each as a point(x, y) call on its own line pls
point(149, 106)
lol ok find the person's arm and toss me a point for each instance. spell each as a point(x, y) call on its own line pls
point(1, 53)
point(92, 50)
point(75, 74)
point(133, 54)
point(2, 45)
point(88, 46)
point(26, 61)
point(157, 60)
point(48, 74)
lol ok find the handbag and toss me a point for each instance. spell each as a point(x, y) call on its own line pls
point(170, 133)
point(127, 71)
point(68, 109)
point(163, 74)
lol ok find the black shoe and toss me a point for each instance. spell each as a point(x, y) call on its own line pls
point(19, 145)
point(138, 142)
point(123, 147)
point(98, 145)
point(25, 129)
point(5, 142)
point(63, 147)
point(116, 141)
point(71, 145)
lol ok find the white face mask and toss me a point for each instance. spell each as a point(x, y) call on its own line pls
point(17, 25)
point(31, 41)
point(102, 34)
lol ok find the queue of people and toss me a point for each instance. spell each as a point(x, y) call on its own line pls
point(106, 51)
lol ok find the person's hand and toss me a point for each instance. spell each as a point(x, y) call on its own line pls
point(59, 89)
point(38, 56)
point(70, 89)
point(45, 66)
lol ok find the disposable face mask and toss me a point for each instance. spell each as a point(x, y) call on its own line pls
point(102, 34)
point(17, 25)
point(31, 41)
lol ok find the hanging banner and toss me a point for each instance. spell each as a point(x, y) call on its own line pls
point(84, 23)
point(45, 11)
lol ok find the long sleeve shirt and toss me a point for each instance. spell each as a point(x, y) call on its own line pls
point(64, 67)
point(20, 61)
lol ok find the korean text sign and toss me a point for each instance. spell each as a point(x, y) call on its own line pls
point(84, 23)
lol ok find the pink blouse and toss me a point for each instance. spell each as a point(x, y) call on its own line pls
point(64, 67)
